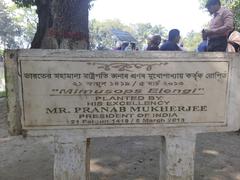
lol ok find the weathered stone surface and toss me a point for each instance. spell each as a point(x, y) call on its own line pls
point(93, 94)
point(75, 95)
point(106, 91)
point(13, 93)
point(3, 118)
point(70, 158)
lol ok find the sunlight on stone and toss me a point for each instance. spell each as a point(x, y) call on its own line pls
point(95, 167)
point(211, 152)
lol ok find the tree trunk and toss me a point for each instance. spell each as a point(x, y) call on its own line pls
point(63, 24)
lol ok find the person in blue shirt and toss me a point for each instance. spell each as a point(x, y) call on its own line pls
point(172, 43)
point(202, 47)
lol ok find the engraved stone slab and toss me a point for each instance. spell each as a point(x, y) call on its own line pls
point(94, 93)
point(77, 95)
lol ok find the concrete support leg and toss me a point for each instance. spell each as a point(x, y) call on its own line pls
point(163, 168)
point(71, 159)
point(177, 157)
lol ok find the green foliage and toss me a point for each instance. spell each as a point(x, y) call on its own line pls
point(17, 26)
point(2, 93)
point(29, 3)
point(142, 30)
point(27, 19)
point(25, 3)
point(223, 2)
point(202, 3)
point(100, 32)
point(192, 40)
point(234, 5)
point(8, 29)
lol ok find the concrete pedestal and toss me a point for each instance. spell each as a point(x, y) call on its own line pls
point(71, 159)
point(177, 157)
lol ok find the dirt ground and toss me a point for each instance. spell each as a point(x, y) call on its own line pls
point(126, 158)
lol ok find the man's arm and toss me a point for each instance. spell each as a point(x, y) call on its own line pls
point(228, 25)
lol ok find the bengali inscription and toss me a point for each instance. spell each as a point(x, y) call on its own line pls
point(91, 93)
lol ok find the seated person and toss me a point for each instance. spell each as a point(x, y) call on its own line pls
point(173, 40)
point(154, 42)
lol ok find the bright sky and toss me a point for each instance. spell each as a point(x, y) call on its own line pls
point(184, 15)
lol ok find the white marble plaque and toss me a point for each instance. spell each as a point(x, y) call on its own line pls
point(110, 93)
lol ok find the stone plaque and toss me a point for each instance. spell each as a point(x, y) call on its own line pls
point(123, 93)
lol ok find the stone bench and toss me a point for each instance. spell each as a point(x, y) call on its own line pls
point(78, 95)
